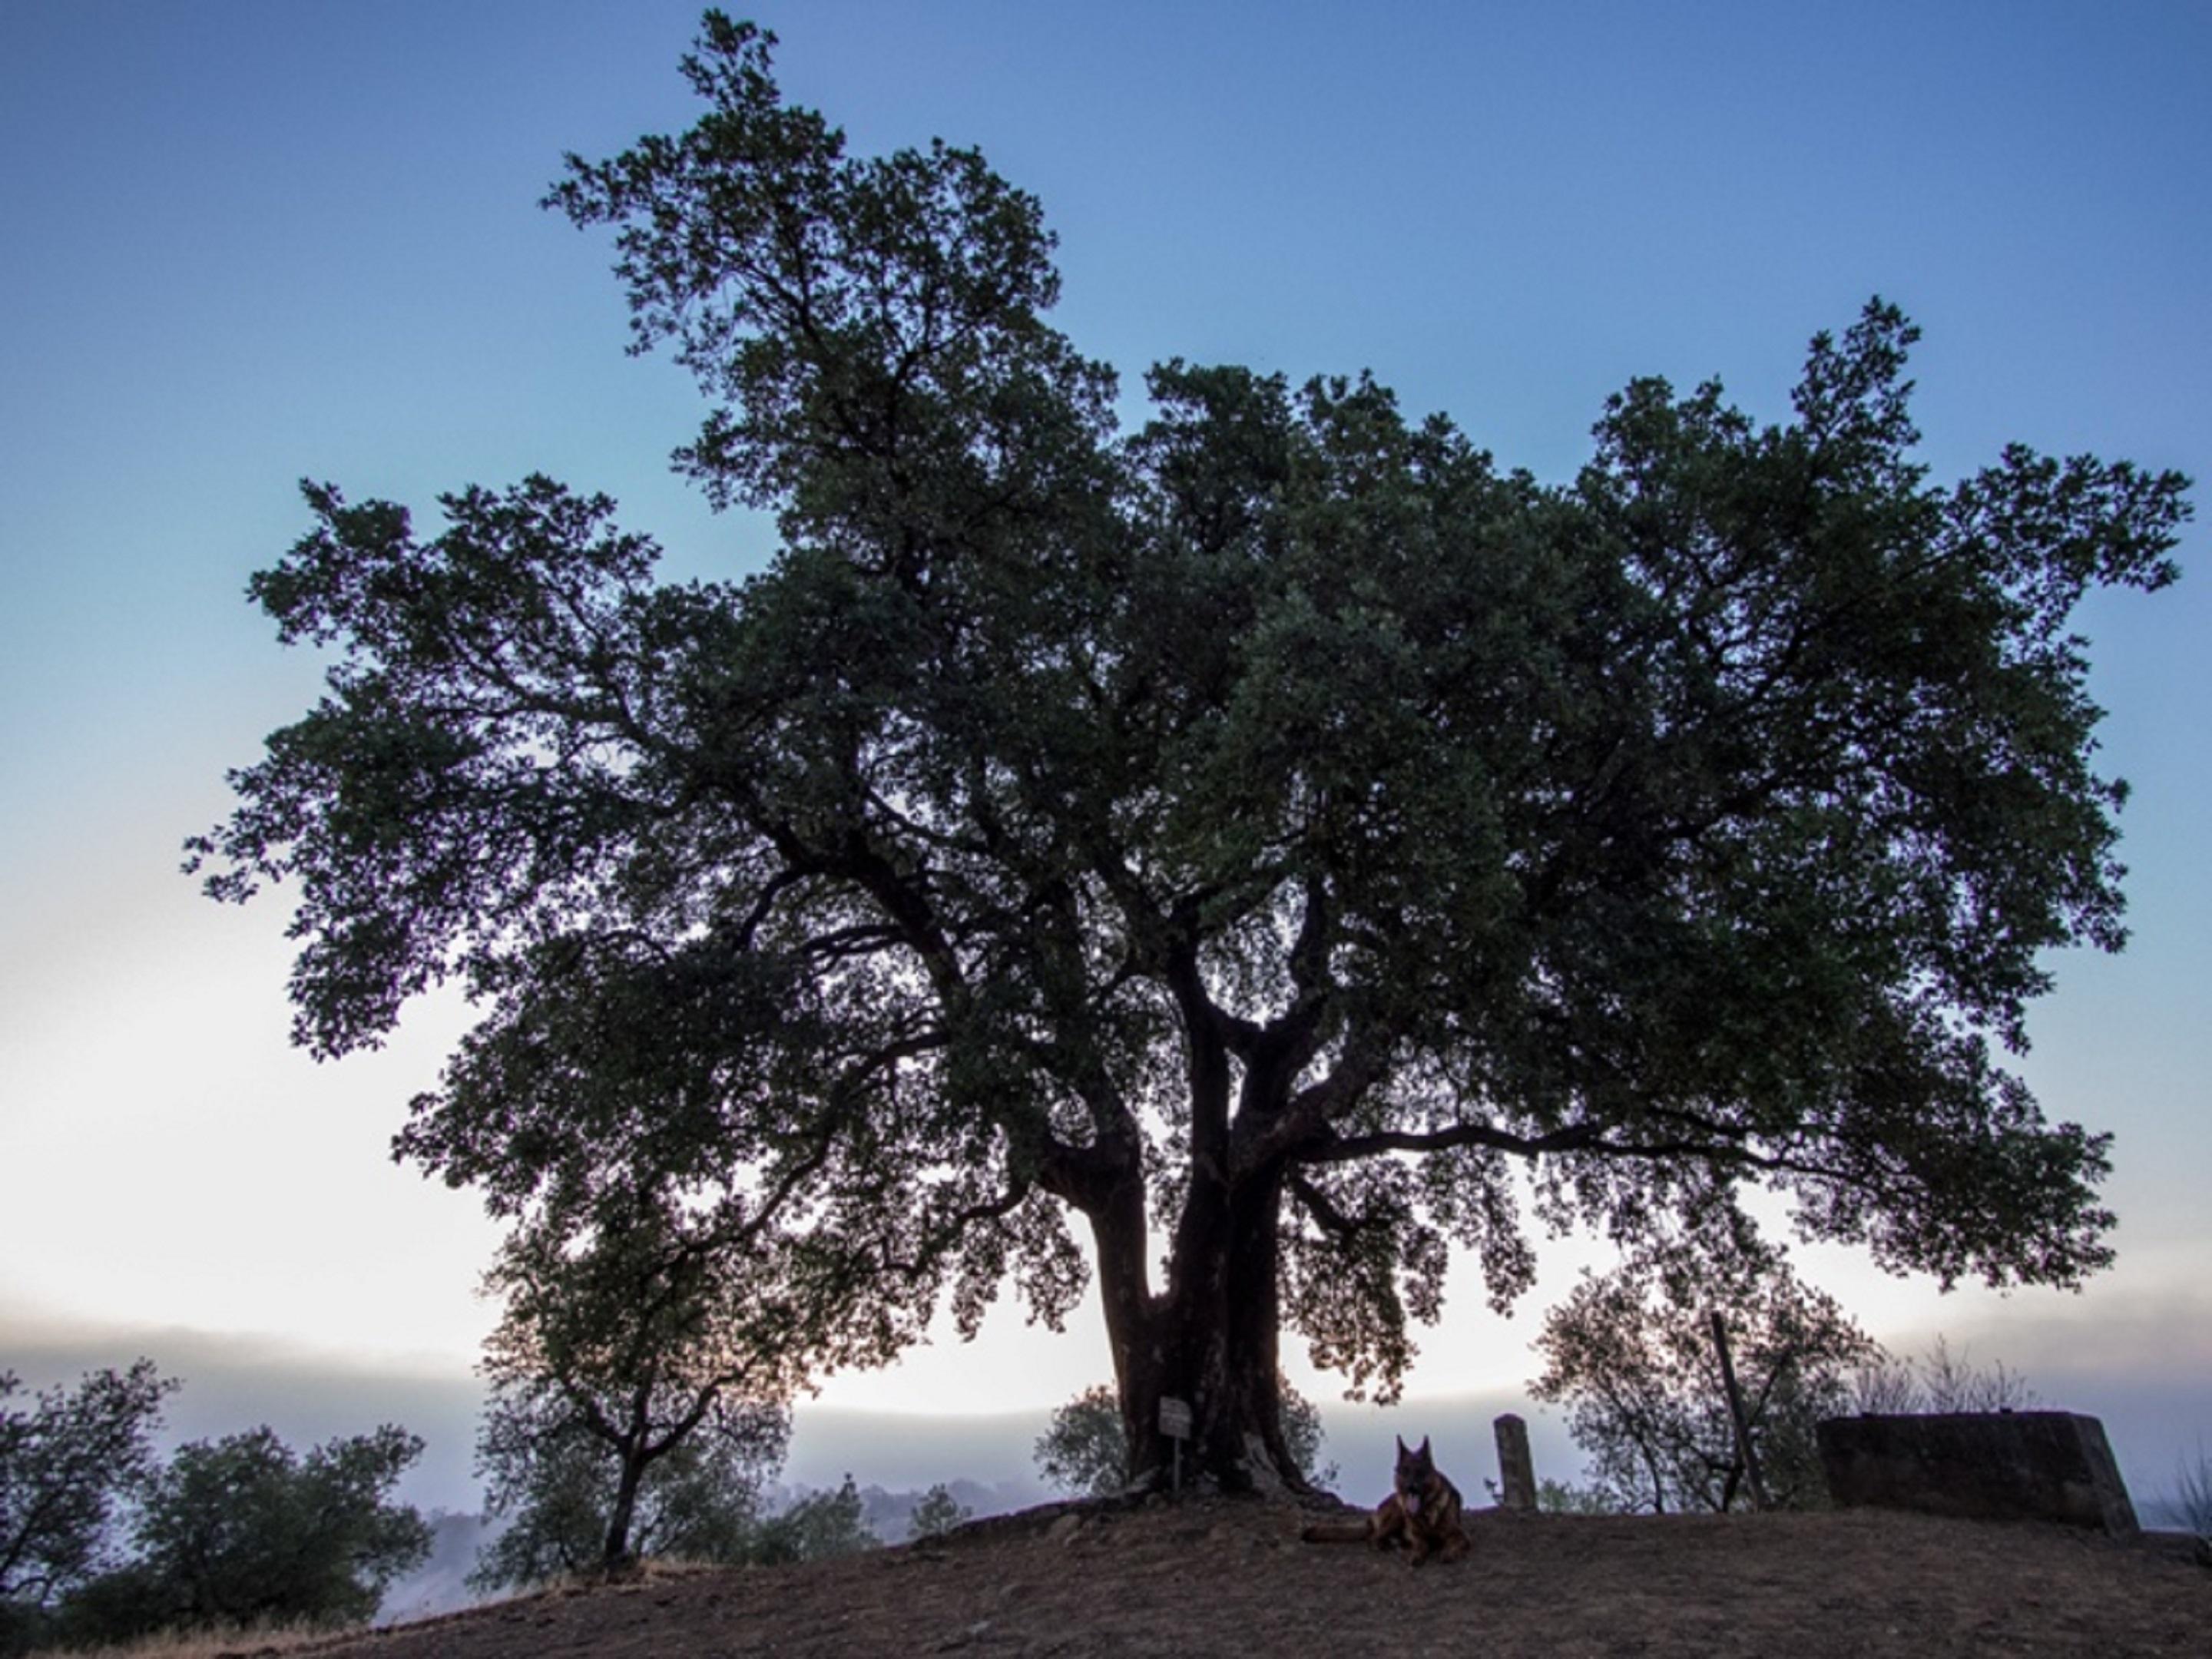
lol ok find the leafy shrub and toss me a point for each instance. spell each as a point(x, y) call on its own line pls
point(243, 1531)
point(819, 1526)
point(938, 1513)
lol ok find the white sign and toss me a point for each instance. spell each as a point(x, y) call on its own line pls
point(1174, 1419)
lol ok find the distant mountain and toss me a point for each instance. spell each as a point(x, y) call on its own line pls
point(890, 1513)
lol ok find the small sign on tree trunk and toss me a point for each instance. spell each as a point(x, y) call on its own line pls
point(1174, 1423)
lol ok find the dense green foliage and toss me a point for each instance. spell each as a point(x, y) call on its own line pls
point(1276, 824)
point(243, 1531)
point(1631, 1354)
point(66, 1461)
point(101, 1542)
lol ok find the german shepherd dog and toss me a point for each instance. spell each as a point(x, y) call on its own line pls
point(1423, 1514)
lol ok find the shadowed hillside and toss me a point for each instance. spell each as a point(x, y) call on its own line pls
point(1224, 1577)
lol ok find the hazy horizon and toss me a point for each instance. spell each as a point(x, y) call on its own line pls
point(233, 1383)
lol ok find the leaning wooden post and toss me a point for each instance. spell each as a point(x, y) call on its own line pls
point(1517, 1474)
point(1744, 1449)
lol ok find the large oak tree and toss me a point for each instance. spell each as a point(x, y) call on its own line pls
point(1258, 837)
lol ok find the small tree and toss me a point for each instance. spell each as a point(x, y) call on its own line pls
point(243, 1531)
point(938, 1513)
point(557, 1485)
point(65, 1461)
point(1886, 1385)
point(1085, 1450)
point(639, 1381)
point(821, 1525)
point(1631, 1353)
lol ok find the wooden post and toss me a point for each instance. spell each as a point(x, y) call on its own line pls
point(1744, 1449)
point(1517, 1474)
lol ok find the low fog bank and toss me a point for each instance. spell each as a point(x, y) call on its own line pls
point(896, 1450)
point(2138, 1359)
point(2155, 1426)
point(233, 1383)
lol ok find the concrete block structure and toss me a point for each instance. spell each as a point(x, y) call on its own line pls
point(2041, 1466)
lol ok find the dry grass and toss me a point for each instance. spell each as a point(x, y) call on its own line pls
point(228, 1643)
point(652, 1569)
point(258, 1641)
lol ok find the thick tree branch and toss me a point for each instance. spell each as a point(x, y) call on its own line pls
point(1581, 1138)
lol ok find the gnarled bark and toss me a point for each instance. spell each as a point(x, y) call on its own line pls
point(1209, 1338)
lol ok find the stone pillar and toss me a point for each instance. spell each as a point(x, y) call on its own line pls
point(1517, 1475)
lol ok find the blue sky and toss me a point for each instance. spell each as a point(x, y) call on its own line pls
point(249, 242)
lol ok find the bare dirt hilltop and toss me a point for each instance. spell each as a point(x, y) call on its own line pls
point(1225, 1576)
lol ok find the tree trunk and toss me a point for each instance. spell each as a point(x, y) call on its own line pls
point(1746, 1453)
point(615, 1556)
point(1209, 1339)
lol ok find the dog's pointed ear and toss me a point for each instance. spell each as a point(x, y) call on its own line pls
point(1425, 1445)
point(1401, 1445)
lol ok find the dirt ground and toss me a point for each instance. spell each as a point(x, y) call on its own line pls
point(1225, 1576)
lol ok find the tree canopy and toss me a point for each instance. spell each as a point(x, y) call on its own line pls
point(1277, 824)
